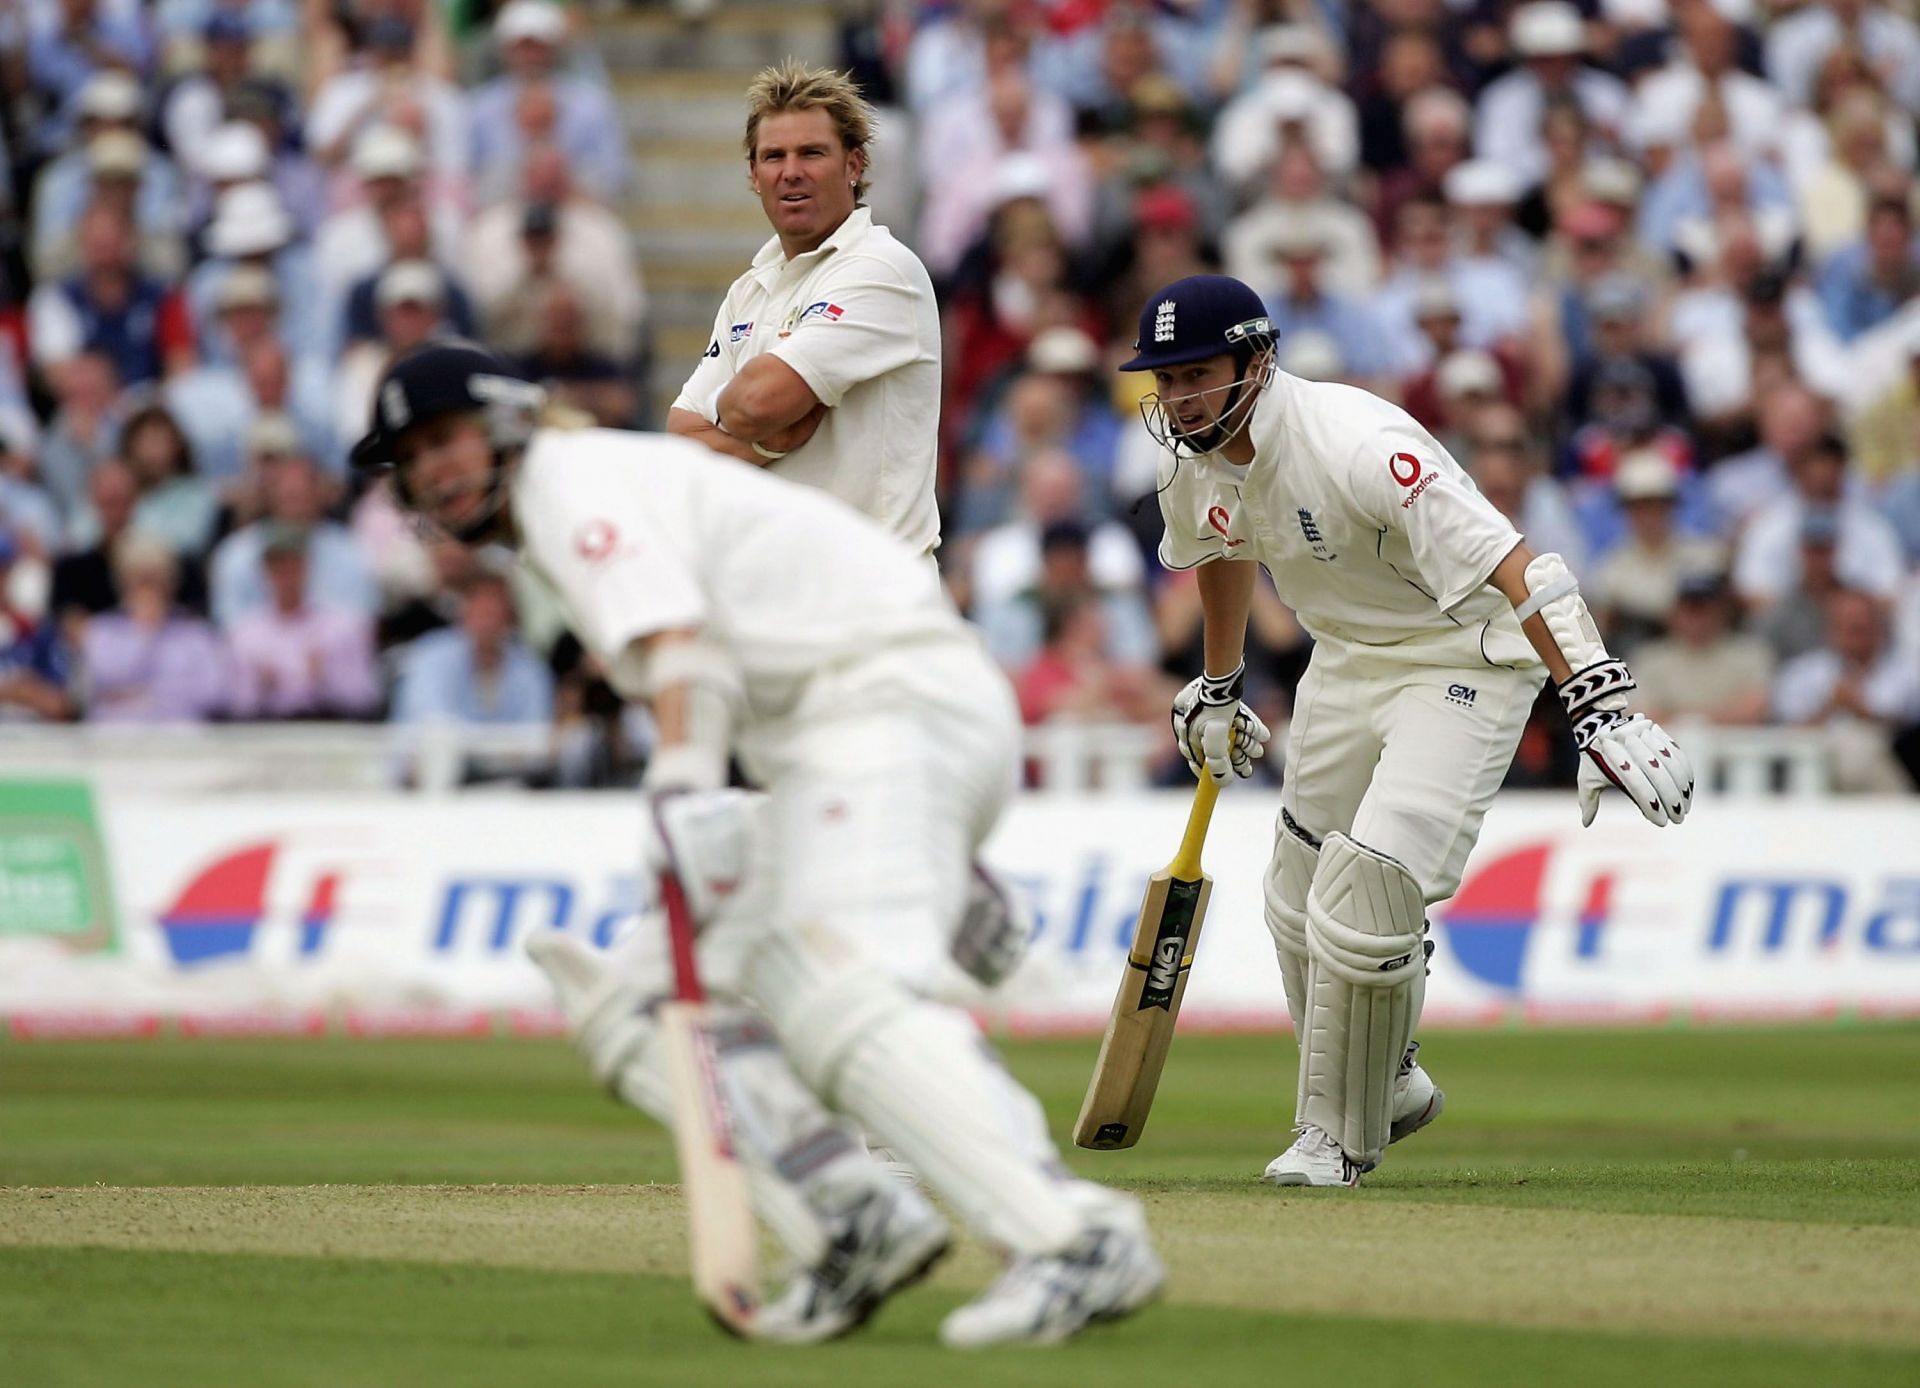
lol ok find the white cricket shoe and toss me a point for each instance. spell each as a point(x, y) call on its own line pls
point(1417, 1100)
point(1110, 1271)
point(1315, 1159)
point(883, 1242)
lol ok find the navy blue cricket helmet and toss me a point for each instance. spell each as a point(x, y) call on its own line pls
point(1198, 317)
point(451, 376)
point(1190, 320)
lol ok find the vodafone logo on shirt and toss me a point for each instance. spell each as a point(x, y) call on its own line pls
point(596, 540)
point(1406, 470)
point(1218, 518)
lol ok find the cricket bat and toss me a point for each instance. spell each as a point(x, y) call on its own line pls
point(723, 1238)
point(1134, 1050)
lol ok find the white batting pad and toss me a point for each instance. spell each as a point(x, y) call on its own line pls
point(1366, 980)
point(924, 1083)
point(1289, 878)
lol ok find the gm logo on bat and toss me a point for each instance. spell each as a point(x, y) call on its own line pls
point(1166, 964)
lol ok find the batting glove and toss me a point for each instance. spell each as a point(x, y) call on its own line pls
point(1214, 730)
point(1617, 748)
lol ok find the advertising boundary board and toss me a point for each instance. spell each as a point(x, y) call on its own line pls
point(381, 915)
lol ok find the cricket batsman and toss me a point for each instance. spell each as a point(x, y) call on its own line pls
point(771, 623)
point(1433, 626)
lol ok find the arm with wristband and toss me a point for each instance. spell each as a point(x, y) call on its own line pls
point(1215, 731)
point(1617, 748)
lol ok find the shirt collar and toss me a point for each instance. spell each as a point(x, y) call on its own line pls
point(770, 259)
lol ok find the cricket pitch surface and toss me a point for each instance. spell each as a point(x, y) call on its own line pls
point(1689, 1206)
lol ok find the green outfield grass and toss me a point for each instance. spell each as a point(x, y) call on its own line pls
point(1672, 1207)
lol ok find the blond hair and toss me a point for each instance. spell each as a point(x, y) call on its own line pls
point(794, 86)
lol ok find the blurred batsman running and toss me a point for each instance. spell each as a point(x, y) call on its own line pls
point(825, 359)
point(772, 623)
point(1433, 625)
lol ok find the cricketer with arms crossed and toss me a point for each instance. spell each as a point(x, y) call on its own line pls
point(773, 623)
point(825, 361)
point(1433, 625)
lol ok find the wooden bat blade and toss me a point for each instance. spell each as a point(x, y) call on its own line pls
point(723, 1239)
point(1140, 1030)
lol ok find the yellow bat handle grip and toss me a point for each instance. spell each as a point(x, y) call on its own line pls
point(1186, 863)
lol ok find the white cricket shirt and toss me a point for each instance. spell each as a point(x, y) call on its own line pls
point(643, 533)
point(1374, 536)
point(856, 318)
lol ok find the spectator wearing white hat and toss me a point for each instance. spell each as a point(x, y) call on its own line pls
point(1832, 155)
point(1297, 193)
point(1703, 189)
point(338, 572)
point(410, 299)
point(1484, 196)
point(1550, 39)
point(1455, 380)
point(383, 78)
point(219, 402)
point(590, 249)
point(1506, 466)
point(1298, 298)
point(123, 173)
point(1859, 689)
point(109, 105)
point(1867, 555)
point(71, 43)
point(1705, 65)
point(1289, 100)
point(1638, 579)
point(1011, 137)
point(532, 38)
point(1493, 296)
point(354, 241)
point(1437, 126)
point(196, 104)
point(1799, 44)
point(407, 237)
point(1067, 364)
point(251, 227)
point(1704, 668)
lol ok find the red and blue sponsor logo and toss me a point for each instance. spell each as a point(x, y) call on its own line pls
point(1490, 923)
point(218, 913)
point(831, 312)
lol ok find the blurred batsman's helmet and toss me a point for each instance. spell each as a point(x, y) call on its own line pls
point(1191, 321)
point(443, 377)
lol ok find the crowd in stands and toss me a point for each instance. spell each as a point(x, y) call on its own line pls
point(1648, 268)
point(222, 219)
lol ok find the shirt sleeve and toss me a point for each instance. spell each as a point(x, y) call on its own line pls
point(1402, 479)
point(867, 324)
point(717, 366)
point(607, 553)
point(1181, 545)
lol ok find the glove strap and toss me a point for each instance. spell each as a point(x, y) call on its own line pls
point(1223, 689)
point(1586, 688)
point(1589, 725)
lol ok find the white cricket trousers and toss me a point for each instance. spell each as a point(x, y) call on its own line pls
point(1402, 757)
point(880, 786)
